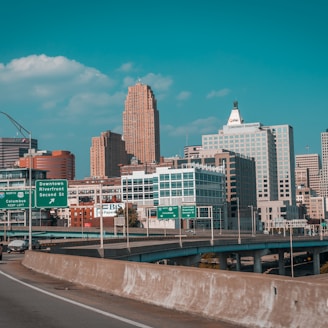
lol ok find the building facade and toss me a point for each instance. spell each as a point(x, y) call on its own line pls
point(324, 170)
point(17, 179)
point(59, 164)
point(272, 147)
point(107, 153)
point(202, 186)
point(240, 183)
point(311, 179)
point(11, 149)
point(141, 124)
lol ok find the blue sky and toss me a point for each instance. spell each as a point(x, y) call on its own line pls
point(65, 67)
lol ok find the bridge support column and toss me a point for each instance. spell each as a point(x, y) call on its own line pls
point(258, 262)
point(282, 270)
point(238, 262)
point(223, 261)
point(316, 261)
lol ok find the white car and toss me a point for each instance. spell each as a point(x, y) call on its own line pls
point(19, 245)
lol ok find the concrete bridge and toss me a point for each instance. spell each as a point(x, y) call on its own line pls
point(188, 250)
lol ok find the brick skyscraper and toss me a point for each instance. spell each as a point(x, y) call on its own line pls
point(107, 152)
point(141, 124)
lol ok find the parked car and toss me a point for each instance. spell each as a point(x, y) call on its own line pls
point(19, 245)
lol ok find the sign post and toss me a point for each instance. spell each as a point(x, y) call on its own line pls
point(51, 193)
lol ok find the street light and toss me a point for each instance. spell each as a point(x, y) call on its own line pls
point(239, 240)
point(127, 215)
point(291, 249)
point(101, 219)
point(220, 220)
point(252, 218)
point(22, 130)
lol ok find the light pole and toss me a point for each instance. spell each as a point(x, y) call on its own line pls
point(239, 240)
point(220, 220)
point(101, 219)
point(127, 215)
point(212, 228)
point(40, 215)
point(252, 218)
point(22, 130)
point(291, 249)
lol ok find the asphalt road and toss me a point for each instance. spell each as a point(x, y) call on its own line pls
point(32, 300)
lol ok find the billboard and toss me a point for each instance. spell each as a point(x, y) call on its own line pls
point(108, 209)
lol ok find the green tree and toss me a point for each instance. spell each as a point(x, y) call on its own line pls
point(133, 216)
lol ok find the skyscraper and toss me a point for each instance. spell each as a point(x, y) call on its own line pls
point(324, 170)
point(141, 124)
point(107, 152)
point(312, 163)
point(272, 147)
point(59, 164)
point(11, 149)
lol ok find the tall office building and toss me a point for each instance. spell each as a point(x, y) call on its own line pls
point(324, 170)
point(59, 164)
point(311, 178)
point(141, 124)
point(272, 147)
point(107, 153)
point(11, 149)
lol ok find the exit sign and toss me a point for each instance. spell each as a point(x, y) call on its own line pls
point(51, 193)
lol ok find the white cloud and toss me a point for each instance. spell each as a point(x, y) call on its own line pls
point(218, 93)
point(157, 81)
point(198, 127)
point(126, 67)
point(184, 95)
point(128, 81)
point(50, 83)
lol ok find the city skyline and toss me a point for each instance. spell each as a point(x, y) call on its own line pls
point(65, 71)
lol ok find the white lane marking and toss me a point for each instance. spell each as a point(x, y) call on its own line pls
point(107, 314)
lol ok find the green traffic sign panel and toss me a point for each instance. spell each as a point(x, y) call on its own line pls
point(167, 212)
point(188, 212)
point(15, 199)
point(51, 193)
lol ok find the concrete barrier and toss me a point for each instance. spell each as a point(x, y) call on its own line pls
point(247, 299)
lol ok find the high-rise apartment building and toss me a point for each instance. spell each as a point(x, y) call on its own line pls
point(272, 147)
point(311, 162)
point(324, 170)
point(11, 149)
point(141, 124)
point(59, 164)
point(107, 153)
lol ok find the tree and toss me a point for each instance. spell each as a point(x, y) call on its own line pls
point(133, 216)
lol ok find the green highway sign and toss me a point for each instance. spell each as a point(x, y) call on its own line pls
point(167, 212)
point(188, 212)
point(51, 193)
point(15, 199)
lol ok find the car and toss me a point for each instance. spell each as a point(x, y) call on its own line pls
point(17, 245)
point(20, 245)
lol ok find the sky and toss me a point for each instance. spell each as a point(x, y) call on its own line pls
point(65, 68)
